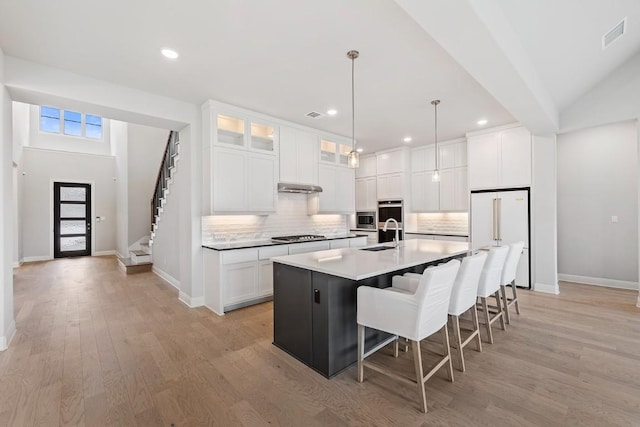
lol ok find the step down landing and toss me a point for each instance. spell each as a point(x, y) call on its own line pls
point(127, 266)
point(138, 257)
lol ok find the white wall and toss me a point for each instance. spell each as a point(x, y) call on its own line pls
point(544, 259)
point(598, 179)
point(7, 323)
point(145, 149)
point(119, 142)
point(42, 168)
point(165, 249)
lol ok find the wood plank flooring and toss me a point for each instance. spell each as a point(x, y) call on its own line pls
point(97, 348)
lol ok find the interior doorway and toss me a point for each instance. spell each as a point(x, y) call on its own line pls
point(71, 219)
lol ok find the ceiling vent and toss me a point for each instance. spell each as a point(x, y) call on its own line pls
point(614, 34)
point(313, 115)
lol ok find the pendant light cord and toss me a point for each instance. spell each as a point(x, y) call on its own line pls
point(353, 106)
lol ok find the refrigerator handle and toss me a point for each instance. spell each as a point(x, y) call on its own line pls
point(493, 220)
point(499, 219)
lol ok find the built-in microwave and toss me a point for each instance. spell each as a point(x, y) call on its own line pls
point(366, 220)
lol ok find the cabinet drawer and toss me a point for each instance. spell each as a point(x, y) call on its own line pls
point(272, 251)
point(300, 248)
point(337, 244)
point(240, 255)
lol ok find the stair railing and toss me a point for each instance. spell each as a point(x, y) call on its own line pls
point(164, 174)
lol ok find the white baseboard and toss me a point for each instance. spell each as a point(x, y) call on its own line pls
point(546, 288)
point(166, 277)
point(189, 301)
point(37, 258)
point(598, 281)
point(11, 332)
point(17, 264)
point(105, 253)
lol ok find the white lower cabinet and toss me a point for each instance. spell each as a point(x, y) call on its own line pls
point(338, 244)
point(241, 282)
point(265, 286)
point(358, 242)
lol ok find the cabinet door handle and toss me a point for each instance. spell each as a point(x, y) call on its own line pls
point(316, 296)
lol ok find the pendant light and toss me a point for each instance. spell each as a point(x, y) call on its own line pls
point(436, 171)
point(353, 160)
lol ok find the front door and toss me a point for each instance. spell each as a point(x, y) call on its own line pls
point(71, 219)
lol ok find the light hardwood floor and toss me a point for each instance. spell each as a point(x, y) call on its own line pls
point(97, 348)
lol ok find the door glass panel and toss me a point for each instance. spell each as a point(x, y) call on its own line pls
point(73, 244)
point(73, 194)
point(328, 151)
point(73, 227)
point(72, 210)
point(262, 137)
point(230, 130)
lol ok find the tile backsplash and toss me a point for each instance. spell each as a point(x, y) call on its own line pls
point(291, 218)
point(447, 222)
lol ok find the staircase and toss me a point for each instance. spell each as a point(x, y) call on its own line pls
point(141, 259)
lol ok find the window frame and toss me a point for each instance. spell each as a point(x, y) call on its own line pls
point(83, 124)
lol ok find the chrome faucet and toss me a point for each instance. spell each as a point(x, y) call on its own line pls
point(396, 240)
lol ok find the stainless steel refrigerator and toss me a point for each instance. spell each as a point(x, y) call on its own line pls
point(501, 217)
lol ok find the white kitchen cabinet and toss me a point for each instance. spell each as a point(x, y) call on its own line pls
point(410, 236)
point(366, 194)
point(358, 242)
point(453, 193)
point(301, 248)
point(338, 244)
point(243, 181)
point(452, 154)
point(390, 186)
point(241, 282)
point(334, 151)
point(338, 191)
point(298, 156)
point(500, 159)
point(232, 128)
point(368, 167)
point(423, 158)
point(425, 194)
point(392, 161)
point(451, 238)
point(265, 283)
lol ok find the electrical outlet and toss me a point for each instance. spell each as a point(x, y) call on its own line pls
point(614, 219)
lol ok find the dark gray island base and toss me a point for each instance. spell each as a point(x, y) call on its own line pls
point(314, 315)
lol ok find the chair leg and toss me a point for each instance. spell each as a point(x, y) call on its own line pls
point(476, 325)
point(505, 300)
point(417, 361)
point(485, 310)
point(458, 341)
point(503, 324)
point(360, 353)
point(447, 352)
point(515, 296)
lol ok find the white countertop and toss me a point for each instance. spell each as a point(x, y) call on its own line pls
point(356, 264)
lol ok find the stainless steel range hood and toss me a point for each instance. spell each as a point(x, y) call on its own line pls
point(284, 187)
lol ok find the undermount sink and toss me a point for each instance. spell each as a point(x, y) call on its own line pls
point(377, 248)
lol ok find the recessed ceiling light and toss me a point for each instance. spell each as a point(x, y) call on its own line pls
point(332, 112)
point(170, 53)
point(407, 139)
point(482, 122)
point(359, 150)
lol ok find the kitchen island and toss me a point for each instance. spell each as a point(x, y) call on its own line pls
point(314, 297)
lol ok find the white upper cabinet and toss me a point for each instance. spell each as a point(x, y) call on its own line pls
point(368, 167)
point(298, 156)
point(500, 159)
point(366, 194)
point(452, 154)
point(393, 161)
point(245, 132)
point(334, 150)
point(338, 191)
point(423, 158)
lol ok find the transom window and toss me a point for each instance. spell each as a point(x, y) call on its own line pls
point(54, 120)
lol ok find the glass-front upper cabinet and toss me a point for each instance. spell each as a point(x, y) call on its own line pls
point(334, 152)
point(246, 133)
point(262, 137)
point(230, 130)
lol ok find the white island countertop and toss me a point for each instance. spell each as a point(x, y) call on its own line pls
point(359, 264)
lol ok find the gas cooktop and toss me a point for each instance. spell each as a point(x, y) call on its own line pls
point(299, 238)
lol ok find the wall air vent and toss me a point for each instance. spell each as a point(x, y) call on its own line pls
point(313, 115)
point(614, 34)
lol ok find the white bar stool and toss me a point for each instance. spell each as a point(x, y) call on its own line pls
point(509, 278)
point(413, 316)
point(489, 285)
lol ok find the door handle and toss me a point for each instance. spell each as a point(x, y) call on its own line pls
point(499, 221)
point(493, 220)
point(316, 296)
